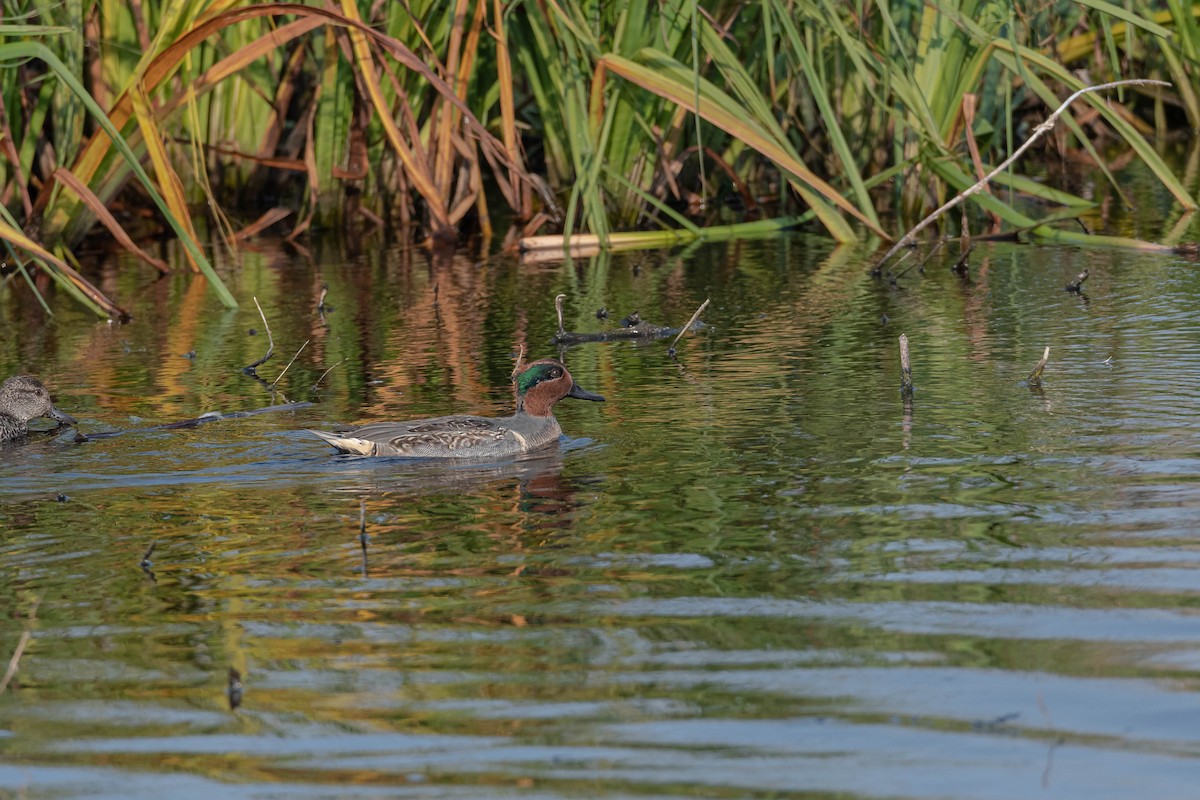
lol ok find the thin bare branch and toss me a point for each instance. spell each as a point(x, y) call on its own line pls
point(688, 326)
point(251, 369)
point(289, 364)
point(1038, 132)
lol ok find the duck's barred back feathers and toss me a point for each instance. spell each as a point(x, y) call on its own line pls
point(463, 424)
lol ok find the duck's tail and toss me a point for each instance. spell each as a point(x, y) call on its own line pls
point(347, 444)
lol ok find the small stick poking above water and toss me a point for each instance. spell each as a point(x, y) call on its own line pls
point(906, 384)
point(234, 689)
point(251, 369)
point(1076, 285)
point(558, 305)
point(686, 328)
point(289, 364)
point(22, 643)
point(520, 362)
point(1035, 377)
point(326, 372)
point(362, 532)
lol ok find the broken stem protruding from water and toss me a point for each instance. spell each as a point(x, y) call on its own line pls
point(289, 364)
point(521, 356)
point(362, 532)
point(251, 369)
point(1035, 377)
point(688, 326)
point(15, 661)
point(906, 384)
point(1077, 284)
point(558, 308)
point(326, 372)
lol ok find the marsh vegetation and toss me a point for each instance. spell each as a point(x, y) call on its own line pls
point(207, 122)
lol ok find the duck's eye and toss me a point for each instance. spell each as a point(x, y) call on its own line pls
point(556, 373)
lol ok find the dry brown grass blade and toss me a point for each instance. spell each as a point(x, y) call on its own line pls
point(139, 22)
point(443, 163)
point(283, 99)
point(165, 63)
point(262, 223)
point(406, 113)
point(10, 152)
point(106, 218)
point(463, 48)
point(22, 241)
point(717, 160)
point(314, 179)
point(168, 181)
point(969, 105)
point(241, 58)
point(520, 198)
point(293, 164)
point(481, 206)
point(417, 169)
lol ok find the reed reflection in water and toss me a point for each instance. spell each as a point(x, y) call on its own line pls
point(750, 572)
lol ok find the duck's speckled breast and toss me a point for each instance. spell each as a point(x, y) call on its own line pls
point(11, 428)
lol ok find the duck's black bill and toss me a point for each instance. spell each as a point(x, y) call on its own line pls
point(583, 394)
point(62, 416)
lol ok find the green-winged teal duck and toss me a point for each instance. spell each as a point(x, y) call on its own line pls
point(540, 385)
point(23, 398)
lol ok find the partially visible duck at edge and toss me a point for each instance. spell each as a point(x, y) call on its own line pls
point(23, 398)
point(540, 385)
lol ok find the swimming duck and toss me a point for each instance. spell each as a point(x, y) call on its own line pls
point(23, 398)
point(540, 385)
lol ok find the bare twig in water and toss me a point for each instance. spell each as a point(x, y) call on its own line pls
point(877, 270)
point(289, 364)
point(920, 265)
point(558, 304)
point(326, 372)
point(520, 362)
point(906, 384)
point(960, 266)
point(1038, 132)
point(15, 661)
point(146, 564)
point(686, 328)
point(362, 532)
point(235, 689)
point(1077, 284)
point(251, 369)
point(321, 299)
point(1035, 377)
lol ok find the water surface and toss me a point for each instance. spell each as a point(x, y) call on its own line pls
point(753, 572)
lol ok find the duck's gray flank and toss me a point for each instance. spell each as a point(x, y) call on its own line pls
point(23, 398)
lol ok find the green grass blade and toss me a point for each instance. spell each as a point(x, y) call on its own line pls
point(19, 50)
point(662, 75)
